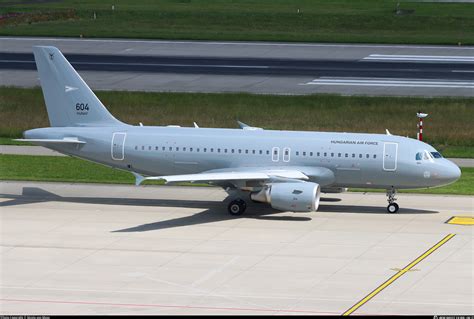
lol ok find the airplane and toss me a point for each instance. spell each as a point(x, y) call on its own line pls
point(286, 169)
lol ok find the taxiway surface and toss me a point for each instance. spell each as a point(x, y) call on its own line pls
point(255, 67)
point(107, 249)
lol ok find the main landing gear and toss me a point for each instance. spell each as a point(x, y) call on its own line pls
point(392, 207)
point(237, 207)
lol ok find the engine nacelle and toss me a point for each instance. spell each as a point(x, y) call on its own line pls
point(297, 197)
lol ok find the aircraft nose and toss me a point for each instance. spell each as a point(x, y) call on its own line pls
point(450, 173)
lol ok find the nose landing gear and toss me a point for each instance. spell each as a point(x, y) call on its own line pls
point(392, 207)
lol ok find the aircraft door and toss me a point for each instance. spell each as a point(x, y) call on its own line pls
point(118, 146)
point(390, 153)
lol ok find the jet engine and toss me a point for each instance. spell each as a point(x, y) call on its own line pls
point(297, 197)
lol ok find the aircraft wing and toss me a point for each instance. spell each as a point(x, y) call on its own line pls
point(227, 175)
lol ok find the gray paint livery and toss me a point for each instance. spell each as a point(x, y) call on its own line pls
point(286, 169)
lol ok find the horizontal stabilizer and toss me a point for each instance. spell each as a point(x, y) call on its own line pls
point(51, 141)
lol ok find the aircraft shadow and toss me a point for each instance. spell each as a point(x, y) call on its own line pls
point(370, 210)
point(213, 211)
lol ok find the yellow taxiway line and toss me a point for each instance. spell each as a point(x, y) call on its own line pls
point(461, 220)
point(400, 273)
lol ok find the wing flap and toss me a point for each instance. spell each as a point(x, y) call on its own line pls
point(204, 177)
point(239, 175)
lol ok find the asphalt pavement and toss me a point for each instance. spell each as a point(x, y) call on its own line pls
point(255, 67)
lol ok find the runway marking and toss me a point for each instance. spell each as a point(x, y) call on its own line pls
point(402, 57)
point(461, 220)
point(238, 43)
point(397, 275)
point(391, 83)
point(162, 306)
point(463, 71)
point(153, 64)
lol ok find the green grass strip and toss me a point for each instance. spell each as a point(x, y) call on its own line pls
point(361, 21)
point(68, 169)
point(449, 122)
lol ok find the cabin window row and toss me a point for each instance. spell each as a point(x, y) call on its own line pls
point(247, 151)
point(332, 154)
point(204, 150)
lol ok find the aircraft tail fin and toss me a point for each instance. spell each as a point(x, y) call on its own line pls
point(69, 101)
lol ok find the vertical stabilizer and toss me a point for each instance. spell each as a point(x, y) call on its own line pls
point(69, 101)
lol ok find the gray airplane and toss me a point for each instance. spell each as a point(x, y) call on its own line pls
point(286, 169)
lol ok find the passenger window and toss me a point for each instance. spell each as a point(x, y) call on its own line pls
point(347, 155)
point(240, 151)
point(260, 152)
point(212, 150)
point(353, 155)
point(156, 148)
point(297, 153)
point(310, 153)
point(232, 151)
point(253, 151)
point(149, 148)
point(225, 150)
point(268, 152)
point(325, 154)
point(136, 147)
point(246, 151)
point(190, 149)
point(339, 155)
point(318, 154)
point(304, 153)
point(360, 155)
point(143, 148)
point(218, 150)
point(205, 150)
point(184, 149)
point(197, 150)
point(375, 156)
point(367, 155)
point(171, 148)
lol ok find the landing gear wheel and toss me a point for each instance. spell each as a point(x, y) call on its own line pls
point(237, 207)
point(392, 208)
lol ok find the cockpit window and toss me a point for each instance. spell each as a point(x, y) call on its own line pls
point(436, 155)
point(425, 155)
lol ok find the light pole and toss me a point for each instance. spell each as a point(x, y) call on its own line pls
point(420, 116)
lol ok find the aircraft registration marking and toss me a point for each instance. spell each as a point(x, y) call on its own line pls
point(400, 273)
point(461, 220)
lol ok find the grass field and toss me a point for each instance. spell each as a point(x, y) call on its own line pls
point(369, 21)
point(68, 169)
point(448, 127)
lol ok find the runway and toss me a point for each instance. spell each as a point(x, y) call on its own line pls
point(276, 68)
point(92, 249)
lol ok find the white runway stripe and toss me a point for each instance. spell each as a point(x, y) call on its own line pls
point(438, 58)
point(391, 83)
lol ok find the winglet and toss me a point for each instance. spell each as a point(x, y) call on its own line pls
point(248, 127)
point(386, 131)
point(242, 124)
point(195, 125)
point(138, 179)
